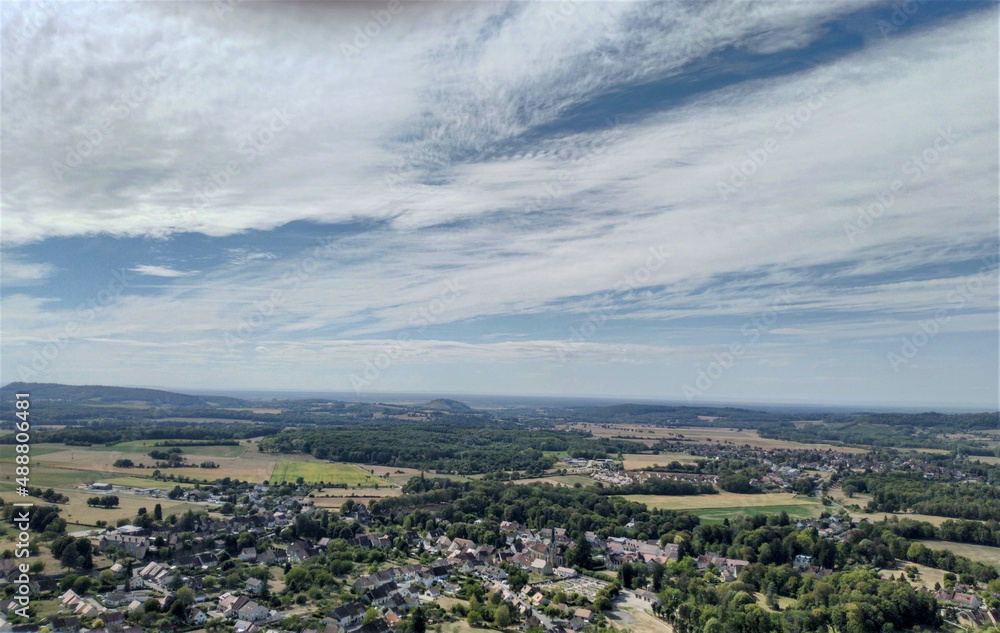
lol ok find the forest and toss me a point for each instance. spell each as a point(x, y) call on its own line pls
point(454, 444)
point(894, 492)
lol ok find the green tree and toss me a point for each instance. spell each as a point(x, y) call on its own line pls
point(502, 617)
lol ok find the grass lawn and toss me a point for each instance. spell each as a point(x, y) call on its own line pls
point(322, 472)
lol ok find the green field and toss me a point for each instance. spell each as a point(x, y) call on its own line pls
point(322, 472)
point(144, 446)
point(7, 453)
point(52, 477)
point(724, 505)
point(142, 482)
point(718, 515)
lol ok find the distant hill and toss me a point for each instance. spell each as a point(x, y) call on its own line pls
point(99, 394)
point(443, 404)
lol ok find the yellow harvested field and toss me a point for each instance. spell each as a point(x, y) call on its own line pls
point(982, 553)
point(392, 474)
point(638, 461)
point(77, 511)
point(650, 435)
point(363, 496)
point(722, 500)
point(879, 516)
point(926, 576)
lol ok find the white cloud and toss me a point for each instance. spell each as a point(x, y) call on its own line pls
point(424, 133)
point(161, 271)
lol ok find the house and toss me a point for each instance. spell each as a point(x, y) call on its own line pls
point(248, 554)
point(255, 586)
point(298, 552)
point(381, 596)
point(802, 561)
point(541, 566)
point(348, 614)
point(69, 624)
point(242, 626)
point(113, 619)
point(196, 616)
point(253, 612)
point(584, 614)
point(567, 572)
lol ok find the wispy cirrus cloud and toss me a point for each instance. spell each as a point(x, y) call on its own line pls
point(531, 157)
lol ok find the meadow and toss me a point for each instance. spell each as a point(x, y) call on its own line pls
point(144, 446)
point(324, 472)
point(716, 508)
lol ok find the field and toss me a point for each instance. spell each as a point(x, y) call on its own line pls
point(365, 496)
point(567, 481)
point(638, 461)
point(142, 482)
point(323, 472)
point(728, 504)
point(879, 516)
point(926, 576)
point(66, 468)
point(77, 511)
point(982, 553)
point(650, 435)
point(392, 474)
point(144, 446)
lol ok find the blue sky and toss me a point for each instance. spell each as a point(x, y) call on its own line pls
point(693, 201)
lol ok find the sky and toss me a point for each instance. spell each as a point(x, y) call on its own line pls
point(701, 202)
